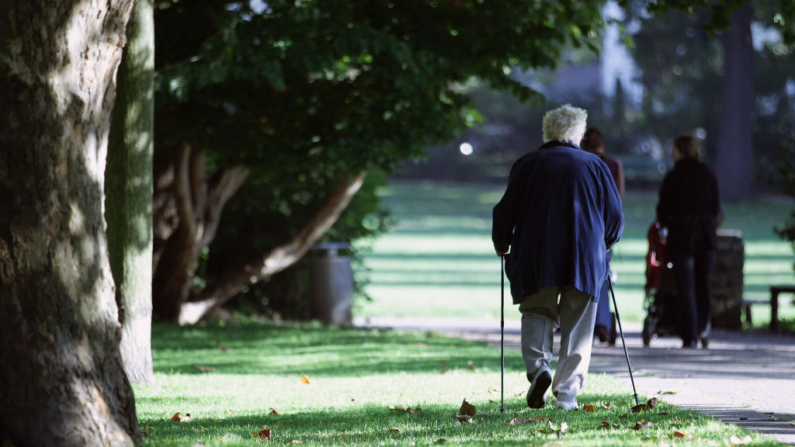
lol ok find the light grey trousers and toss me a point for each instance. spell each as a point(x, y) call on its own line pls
point(576, 315)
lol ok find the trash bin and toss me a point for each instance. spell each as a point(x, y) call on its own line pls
point(330, 284)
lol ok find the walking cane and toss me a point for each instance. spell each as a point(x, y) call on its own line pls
point(502, 333)
point(624, 342)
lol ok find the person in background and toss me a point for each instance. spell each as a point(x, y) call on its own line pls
point(593, 142)
point(689, 207)
point(560, 213)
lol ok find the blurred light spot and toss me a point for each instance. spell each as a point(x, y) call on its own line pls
point(466, 148)
point(701, 133)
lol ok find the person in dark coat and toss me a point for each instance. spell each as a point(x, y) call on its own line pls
point(560, 213)
point(594, 143)
point(689, 207)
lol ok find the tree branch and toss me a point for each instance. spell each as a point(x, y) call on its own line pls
point(277, 259)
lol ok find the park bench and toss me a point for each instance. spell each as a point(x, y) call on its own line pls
point(774, 293)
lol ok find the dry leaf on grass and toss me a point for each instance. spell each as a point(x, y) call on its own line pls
point(223, 348)
point(440, 441)
point(274, 412)
point(467, 409)
point(606, 406)
point(265, 433)
point(681, 434)
point(563, 427)
point(204, 369)
point(605, 425)
point(176, 416)
point(186, 418)
point(462, 418)
point(647, 406)
point(588, 407)
point(305, 380)
point(296, 441)
point(660, 393)
point(493, 390)
point(394, 430)
point(150, 428)
point(642, 425)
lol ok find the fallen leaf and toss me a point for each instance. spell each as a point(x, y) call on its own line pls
point(204, 369)
point(394, 430)
point(651, 403)
point(444, 362)
point(203, 428)
point(296, 441)
point(305, 380)
point(588, 408)
point(265, 433)
point(223, 348)
point(606, 406)
point(493, 390)
point(517, 421)
point(353, 400)
point(274, 412)
point(638, 408)
point(642, 425)
point(681, 434)
point(664, 413)
point(440, 441)
point(462, 418)
point(187, 418)
point(467, 409)
point(660, 393)
point(150, 428)
point(176, 416)
point(563, 427)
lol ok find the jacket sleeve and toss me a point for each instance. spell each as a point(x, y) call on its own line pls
point(714, 206)
point(665, 203)
point(613, 211)
point(505, 213)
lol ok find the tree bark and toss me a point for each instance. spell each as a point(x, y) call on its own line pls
point(128, 190)
point(277, 259)
point(735, 157)
point(198, 203)
point(63, 382)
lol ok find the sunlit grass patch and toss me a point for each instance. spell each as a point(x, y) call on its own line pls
point(356, 375)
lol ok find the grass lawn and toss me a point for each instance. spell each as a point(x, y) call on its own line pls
point(439, 261)
point(356, 375)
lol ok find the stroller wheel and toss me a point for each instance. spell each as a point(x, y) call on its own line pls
point(646, 332)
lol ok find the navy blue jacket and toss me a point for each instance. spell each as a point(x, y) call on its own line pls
point(560, 214)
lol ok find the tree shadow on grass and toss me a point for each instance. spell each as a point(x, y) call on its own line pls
point(251, 348)
point(371, 424)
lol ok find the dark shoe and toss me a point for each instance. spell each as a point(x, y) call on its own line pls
point(705, 342)
point(689, 344)
point(538, 388)
point(601, 333)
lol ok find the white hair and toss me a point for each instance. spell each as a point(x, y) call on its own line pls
point(565, 124)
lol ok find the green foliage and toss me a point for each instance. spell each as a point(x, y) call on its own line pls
point(304, 93)
point(719, 12)
point(782, 168)
point(681, 67)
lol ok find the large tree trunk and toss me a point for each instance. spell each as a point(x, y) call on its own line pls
point(128, 189)
point(195, 204)
point(277, 259)
point(63, 382)
point(735, 157)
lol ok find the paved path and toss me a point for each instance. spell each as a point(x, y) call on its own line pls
point(743, 379)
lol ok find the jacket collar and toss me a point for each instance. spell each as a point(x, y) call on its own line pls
point(553, 143)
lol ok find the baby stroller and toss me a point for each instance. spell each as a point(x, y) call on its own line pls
point(660, 290)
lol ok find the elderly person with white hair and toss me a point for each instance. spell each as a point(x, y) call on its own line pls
point(560, 214)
